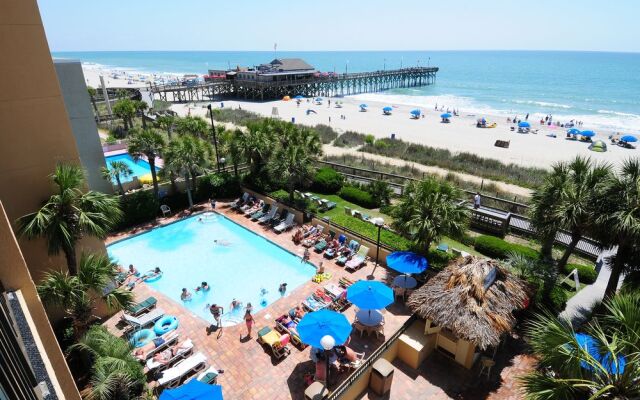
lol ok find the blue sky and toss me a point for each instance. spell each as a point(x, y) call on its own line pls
point(76, 25)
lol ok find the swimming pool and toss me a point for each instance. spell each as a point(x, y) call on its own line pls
point(186, 253)
point(139, 168)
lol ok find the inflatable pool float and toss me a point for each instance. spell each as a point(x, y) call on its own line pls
point(142, 337)
point(165, 324)
point(154, 278)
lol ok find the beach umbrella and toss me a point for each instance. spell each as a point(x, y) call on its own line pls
point(363, 105)
point(318, 98)
point(407, 262)
point(589, 344)
point(445, 115)
point(598, 146)
point(315, 325)
point(587, 133)
point(299, 97)
point(286, 98)
point(387, 109)
point(524, 124)
point(370, 295)
point(193, 390)
point(415, 112)
point(629, 138)
point(573, 131)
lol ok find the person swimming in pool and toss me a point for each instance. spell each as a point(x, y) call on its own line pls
point(185, 295)
point(204, 286)
point(221, 242)
point(156, 272)
point(235, 304)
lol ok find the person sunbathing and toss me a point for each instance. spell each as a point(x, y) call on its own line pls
point(298, 312)
point(141, 352)
point(255, 208)
point(309, 230)
point(297, 236)
point(288, 323)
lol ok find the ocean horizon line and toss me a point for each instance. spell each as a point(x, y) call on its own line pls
point(360, 51)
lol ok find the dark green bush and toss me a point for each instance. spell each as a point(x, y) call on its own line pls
point(495, 247)
point(138, 207)
point(586, 273)
point(357, 196)
point(387, 209)
point(438, 260)
point(327, 181)
point(220, 186)
point(557, 299)
point(280, 195)
point(350, 139)
point(326, 133)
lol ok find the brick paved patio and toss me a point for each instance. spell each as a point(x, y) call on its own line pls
point(251, 372)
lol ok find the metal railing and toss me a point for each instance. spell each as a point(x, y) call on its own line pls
point(338, 392)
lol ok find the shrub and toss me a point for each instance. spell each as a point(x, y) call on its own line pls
point(327, 181)
point(326, 133)
point(495, 247)
point(357, 196)
point(557, 299)
point(586, 273)
point(236, 117)
point(387, 209)
point(223, 185)
point(280, 195)
point(369, 139)
point(350, 139)
point(438, 260)
point(138, 207)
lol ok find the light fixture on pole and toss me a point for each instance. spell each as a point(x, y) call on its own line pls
point(327, 342)
point(379, 222)
point(215, 140)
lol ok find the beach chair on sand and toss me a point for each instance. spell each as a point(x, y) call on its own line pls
point(279, 344)
point(269, 216)
point(358, 260)
point(286, 225)
point(143, 320)
point(180, 353)
point(142, 307)
point(173, 376)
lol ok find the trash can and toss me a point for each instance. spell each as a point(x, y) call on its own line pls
point(393, 136)
point(293, 120)
point(381, 377)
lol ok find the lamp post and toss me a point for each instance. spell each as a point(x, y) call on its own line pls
point(379, 222)
point(327, 342)
point(222, 162)
point(215, 140)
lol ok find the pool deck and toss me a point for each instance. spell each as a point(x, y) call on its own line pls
point(251, 372)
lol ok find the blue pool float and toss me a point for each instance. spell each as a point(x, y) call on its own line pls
point(142, 337)
point(165, 324)
point(153, 279)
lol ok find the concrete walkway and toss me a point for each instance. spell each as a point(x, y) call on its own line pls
point(579, 307)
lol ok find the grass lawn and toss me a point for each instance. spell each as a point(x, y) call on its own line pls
point(367, 229)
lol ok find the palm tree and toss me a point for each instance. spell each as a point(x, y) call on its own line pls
point(195, 126)
point(567, 370)
point(618, 221)
point(92, 95)
point(230, 144)
point(166, 122)
point(126, 110)
point(141, 106)
point(543, 204)
point(575, 203)
point(188, 156)
point(77, 294)
point(148, 143)
point(115, 373)
point(256, 144)
point(118, 170)
point(381, 192)
point(428, 210)
point(70, 214)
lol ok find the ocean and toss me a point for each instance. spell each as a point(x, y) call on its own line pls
point(600, 89)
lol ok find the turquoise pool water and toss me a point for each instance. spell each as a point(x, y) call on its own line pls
point(139, 168)
point(186, 253)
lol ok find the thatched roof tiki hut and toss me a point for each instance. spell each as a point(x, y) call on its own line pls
point(468, 306)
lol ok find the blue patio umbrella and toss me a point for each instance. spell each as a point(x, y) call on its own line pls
point(415, 112)
point(407, 262)
point(387, 109)
point(629, 138)
point(445, 115)
point(298, 97)
point(589, 344)
point(363, 105)
point(315, 325)
point(193, 390)
point(524, 124)
point(370, 295)
point(318, 98)
point(587, 133)
point(573, 131)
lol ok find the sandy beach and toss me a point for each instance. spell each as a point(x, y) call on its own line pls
point(461, 135)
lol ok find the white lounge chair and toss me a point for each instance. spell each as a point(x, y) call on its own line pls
point(181, 352)
point(287, 224)
point(165, 210)
point(272, 213)
point(173, 376)
point(358, 260)
point(144, 320)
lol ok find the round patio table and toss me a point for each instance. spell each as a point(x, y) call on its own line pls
point(405, 282)
point(369, 317)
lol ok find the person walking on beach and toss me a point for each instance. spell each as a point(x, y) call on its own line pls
point(476, 201)
point(249, 321)
point(526, 118)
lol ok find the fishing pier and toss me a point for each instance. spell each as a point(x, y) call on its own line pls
point(290, 77)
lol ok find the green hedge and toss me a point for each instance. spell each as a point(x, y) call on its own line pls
point(438, 260)
point(327, 181)
point(357, 196)
point(223, 185)
point(495, 247)
point(586, 273)
point(138, 207)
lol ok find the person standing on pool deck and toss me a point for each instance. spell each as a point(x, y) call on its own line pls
point(248, 319)
point(306, 255)
point(216, 311)
point(282, 289)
